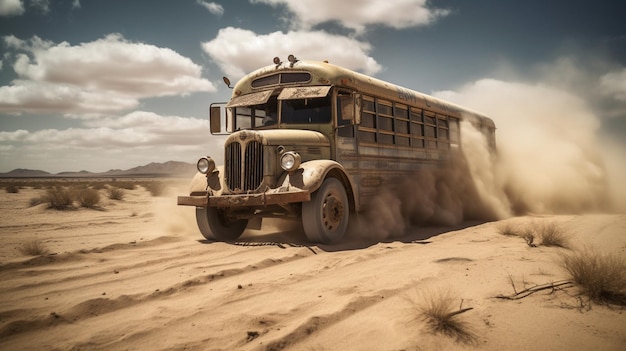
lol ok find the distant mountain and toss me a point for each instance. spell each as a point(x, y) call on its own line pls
point(154, 169)
point(169, 167)
point(25, 173)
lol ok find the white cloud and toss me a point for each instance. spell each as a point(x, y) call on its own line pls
point(137, 129)
point(213, 7)
point(43, 97)
point(98, 145)
point(76, 4)
point(105, 75)
point(239, 51)
point(41, 5)
point(359, 14)
point(11, 8)
point(614, 84)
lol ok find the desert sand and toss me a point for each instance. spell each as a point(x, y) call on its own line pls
point(137, 275)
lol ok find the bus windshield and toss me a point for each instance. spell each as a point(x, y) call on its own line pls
point(306, 111)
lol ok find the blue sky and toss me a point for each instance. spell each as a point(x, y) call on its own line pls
point(111, 84)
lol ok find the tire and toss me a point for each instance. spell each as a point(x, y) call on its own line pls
point(215, 226)
point(325, 218)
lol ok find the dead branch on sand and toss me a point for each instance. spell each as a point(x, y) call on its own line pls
point(554, 286)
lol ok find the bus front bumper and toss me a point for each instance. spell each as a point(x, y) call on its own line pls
point(263, 199)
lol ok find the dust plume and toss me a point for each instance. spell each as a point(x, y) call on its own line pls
point(549, 160)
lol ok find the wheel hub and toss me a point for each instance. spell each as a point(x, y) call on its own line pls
point(332, 212)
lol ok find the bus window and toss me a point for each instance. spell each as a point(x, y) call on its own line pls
point(401, 114)
point(385, 116)
point(345, 115)
point(316, 110)
point(368, 116)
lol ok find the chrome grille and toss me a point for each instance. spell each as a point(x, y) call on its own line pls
point(244, 170)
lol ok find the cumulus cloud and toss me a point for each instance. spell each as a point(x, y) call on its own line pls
point(357, 15)
point(100, 144)
point(136, 129)
point(238, 51)
point(42, 97)
point(11, 8)
point(108, 74)
point(213, 7)
point(41, 5)
point(614, 84)
point(112, 64)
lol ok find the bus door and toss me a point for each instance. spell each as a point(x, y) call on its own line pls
point(346, 150)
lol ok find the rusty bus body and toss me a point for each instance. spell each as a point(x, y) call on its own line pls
point(316, 141)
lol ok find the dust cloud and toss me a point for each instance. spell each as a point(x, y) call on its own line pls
point(549, 160)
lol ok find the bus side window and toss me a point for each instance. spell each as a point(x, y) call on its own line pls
point(345, 115)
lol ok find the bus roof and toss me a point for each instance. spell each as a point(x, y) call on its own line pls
point(325, 74)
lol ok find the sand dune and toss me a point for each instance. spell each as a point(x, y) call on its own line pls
point(137, 275)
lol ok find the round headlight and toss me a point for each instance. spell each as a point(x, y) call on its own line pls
point(205, 165)
point(290, 161)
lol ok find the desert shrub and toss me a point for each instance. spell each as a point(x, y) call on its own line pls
point(528, 234)
point(36, 201)
point(87, 197)
point(601, 277)
point(33, 248)
point(58, 198)
point(155, 188)
point(552, 234)
point(125, 185)
point(439, 312)
point(115, 193)
point(12, 189)
point(97, 185)
point(508, 229)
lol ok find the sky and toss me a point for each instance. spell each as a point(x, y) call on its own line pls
point(113, 84)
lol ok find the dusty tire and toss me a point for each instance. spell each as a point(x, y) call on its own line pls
point(214, 226)
point(325, 218)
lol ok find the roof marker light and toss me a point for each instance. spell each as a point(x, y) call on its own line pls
point(292, 59)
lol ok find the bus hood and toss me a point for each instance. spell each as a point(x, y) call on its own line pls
point(281, 137)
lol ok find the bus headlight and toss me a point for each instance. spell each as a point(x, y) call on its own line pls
point(205, 165)
point(290, 161)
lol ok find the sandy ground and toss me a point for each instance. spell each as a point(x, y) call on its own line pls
point(137, 275)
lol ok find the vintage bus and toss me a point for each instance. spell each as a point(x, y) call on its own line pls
point(315, 141)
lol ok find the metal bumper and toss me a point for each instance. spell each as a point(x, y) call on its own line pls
point(262, 199)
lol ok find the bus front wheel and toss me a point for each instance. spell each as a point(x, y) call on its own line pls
point(215, 225)
point(325, 217)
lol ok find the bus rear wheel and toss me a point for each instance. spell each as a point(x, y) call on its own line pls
point(215, 225)
point(325, 217)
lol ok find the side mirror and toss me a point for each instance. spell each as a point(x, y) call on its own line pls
point(215, 119)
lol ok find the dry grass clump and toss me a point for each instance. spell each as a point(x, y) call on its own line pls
point(601, 277)
point(440, 314)
point(87, 197)
point(155, 188)
point(552, 234)
point(549, 234)
point(58, 198)
point(128, 185)
point(508, 229)
point(115, 193)
point(33, 248)
point(12, 189)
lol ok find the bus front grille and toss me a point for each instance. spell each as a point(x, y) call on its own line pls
point(244, 170)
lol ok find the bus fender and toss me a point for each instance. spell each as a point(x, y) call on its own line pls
point(201, 182)
point(312, 174)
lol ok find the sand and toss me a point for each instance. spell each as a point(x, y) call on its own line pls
point(137, 275)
